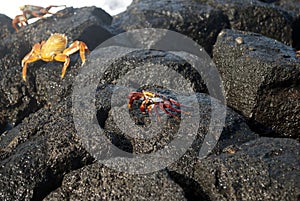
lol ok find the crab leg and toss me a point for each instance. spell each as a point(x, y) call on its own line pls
point(156, 112)
point(178, 104)
point(168, 105)
point(19, 19)
point(74, 47)
point(63, 58)
point(32, 56)
point(52, 6)
point(161, 106)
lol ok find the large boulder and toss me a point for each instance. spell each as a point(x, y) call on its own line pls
point(200, 22)
point(97, 182)
point(263, 169)
point(35, 155)
point(257, 16)
point(261, 80)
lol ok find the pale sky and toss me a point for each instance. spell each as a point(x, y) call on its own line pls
point(113, 7)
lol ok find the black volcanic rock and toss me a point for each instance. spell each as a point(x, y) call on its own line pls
point(6, 27)
point(97, 182)
point(259, 17)
point(44, 152)
point(3, 122)
point(291, 6)
point(36, 154)
point(268, 1)
point(235, 133)
point(164, 63)
point(263, 169)
point(200, 22)
point(261, 78)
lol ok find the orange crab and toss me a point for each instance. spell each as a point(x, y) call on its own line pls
point(54, 49)
point(151, 100)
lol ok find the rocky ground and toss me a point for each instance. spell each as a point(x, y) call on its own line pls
point(251, 42)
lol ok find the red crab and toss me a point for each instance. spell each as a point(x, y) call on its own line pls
point(151, 100)
point(29, 12)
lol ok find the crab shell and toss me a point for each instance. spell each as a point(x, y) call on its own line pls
point(55, 44)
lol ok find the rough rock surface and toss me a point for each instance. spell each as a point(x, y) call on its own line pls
point(200, 22)
point(43, 153)
point(6, 27)
point(291, 6)
point(259, 17)
point(262, 169)
point(261, 78)
point(36, 154)
point(50, 155)
point(3, 122)
point(107, 184)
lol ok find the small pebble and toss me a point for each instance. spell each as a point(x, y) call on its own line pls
point(239, 40)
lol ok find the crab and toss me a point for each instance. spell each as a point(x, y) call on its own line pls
point(29, 12)
point(54, 49)
point(151, 100)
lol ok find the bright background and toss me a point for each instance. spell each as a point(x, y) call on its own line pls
point(113, 7)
